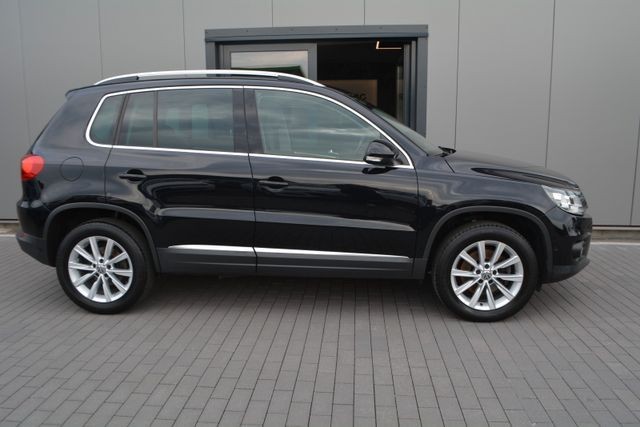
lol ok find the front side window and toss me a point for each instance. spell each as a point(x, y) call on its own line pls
point(297, 124)
point(103, 128)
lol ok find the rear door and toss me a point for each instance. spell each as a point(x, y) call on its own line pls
point(320, 209)
point(180, 162)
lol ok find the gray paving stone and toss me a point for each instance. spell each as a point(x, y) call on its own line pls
point(278, 351)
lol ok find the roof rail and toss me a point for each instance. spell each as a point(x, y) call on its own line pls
point(208, 73)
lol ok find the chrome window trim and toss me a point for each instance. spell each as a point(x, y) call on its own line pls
point(314, 159)
point(346, 107)
point(280, 251)
point(235, 153)
point(135, 147)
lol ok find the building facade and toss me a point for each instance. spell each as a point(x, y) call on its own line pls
point(552, 82)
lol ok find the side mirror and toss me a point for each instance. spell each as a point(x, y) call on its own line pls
point(380, 153)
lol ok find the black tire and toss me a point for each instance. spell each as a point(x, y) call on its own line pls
point(131, 241)
point(459, 240)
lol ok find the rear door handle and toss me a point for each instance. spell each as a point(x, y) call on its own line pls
point(274, 182)
point(133, 175)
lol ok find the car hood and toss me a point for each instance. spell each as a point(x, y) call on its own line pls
point(476, 163)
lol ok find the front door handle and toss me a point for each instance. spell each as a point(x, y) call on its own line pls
point(133, 175)
point(274, 182)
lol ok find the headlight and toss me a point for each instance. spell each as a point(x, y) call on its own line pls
point(568, 200)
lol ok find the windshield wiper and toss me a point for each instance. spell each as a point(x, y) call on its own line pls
point(446, 150)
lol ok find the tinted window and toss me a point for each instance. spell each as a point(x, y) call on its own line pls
point(104, 124)
point(200, 119)
point(303, 125)
point(137, 124)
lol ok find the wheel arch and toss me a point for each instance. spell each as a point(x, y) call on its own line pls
point(78, 212)
point(521, 220)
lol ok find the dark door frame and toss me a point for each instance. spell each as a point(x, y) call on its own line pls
point(418, 34)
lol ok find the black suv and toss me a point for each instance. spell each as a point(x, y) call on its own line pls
point(243, 172)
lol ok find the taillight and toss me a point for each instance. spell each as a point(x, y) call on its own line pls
point(31, 166)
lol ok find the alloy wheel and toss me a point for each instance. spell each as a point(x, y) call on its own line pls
point(100, 269)
point(487, 275)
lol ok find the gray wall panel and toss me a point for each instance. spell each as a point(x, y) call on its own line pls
point(61, 51)
point(442, 18)
point(504, 69)
point(14, 136)
point(595, 102)
point(141, 35)
point(326, 12)
point(384, 12)
point(442, 63)
point(201, 15)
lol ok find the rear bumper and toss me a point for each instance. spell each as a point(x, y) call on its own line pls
point(34, 246)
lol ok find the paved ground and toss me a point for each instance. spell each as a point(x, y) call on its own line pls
point(319, 352)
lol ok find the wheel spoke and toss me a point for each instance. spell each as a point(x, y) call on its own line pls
point(84, 254)
point(118, 258)
point(464, 287)
point(105, 289)
point(482, 252)
point(121, 272)
point(510, 277)
point(465, 256)
point(463, 273)
point(490, 300)
point(497, 253)
point(83, 279)
point(94, 247)
point(514, 259)
point(118, 284)
point(503, 289)
point(80, 266)
point(94, 289)
point(476, 296)
point(107, 249)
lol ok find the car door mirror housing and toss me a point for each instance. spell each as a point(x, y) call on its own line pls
point(380, 153)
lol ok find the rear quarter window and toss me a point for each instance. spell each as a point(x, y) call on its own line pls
point(104, 124)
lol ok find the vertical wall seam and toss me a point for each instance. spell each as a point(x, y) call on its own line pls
point(635, 176)
point(364, 12)
point(553, 42)
point(272, 12)
point(455, 116)
point(24, 69)
point(184, 39)
point(100, 41)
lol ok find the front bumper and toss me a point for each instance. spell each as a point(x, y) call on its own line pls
point(34, 246)
point(561, 272)
point(571, 240)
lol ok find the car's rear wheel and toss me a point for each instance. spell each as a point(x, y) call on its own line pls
point(103, 266)
point(485, 271)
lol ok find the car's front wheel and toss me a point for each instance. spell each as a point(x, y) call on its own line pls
point(103, 266)
point(485, 271)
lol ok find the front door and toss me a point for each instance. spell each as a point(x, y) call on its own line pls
point(319, 208)
point(180, 162)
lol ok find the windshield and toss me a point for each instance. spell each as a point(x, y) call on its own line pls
point(411, 134)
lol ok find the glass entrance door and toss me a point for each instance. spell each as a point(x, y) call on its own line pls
point(378, 72)
point(293, 58)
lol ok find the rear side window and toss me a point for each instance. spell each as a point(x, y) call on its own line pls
point(137, 122)
point(103, 128)
point(196, 119)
